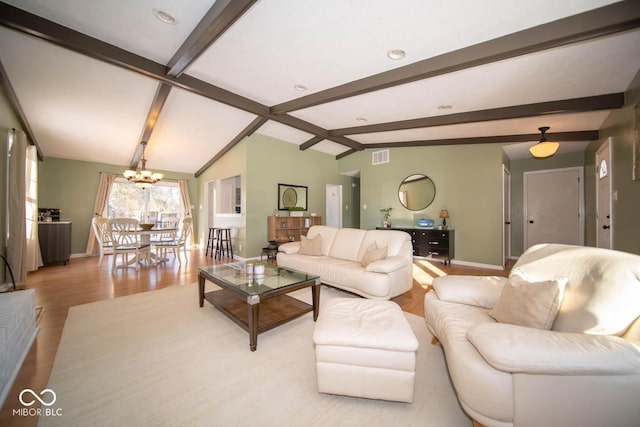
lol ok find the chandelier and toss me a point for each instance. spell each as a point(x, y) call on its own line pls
point(145, 178)
point(544, 148)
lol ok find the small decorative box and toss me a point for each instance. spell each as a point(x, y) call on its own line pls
point(426, 223)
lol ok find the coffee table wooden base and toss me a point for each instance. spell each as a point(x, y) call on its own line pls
point(257, 314)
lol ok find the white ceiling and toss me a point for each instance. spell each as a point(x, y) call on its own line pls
point(83, 108)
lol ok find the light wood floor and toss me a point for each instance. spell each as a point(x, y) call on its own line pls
point(81, 281)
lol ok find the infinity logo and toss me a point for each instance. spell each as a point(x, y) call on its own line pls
point(37, 397)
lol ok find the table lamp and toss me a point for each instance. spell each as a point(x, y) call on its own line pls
point(444, 214)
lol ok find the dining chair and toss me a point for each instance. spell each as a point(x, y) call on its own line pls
point(179, 242)
point(126, 240)
point(103, 236)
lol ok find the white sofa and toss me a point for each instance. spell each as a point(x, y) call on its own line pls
point(339, 263)
point(583, 371)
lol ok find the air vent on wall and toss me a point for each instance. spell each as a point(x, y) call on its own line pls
point(380, 157)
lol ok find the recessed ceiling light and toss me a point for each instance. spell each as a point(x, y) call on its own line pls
point(445, 107)
point(164, 16)
point(300, 87)
point(396, 54)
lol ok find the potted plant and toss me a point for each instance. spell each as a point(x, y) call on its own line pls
point(386, 213)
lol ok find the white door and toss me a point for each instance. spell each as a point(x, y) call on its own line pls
point(506, 215)
point(334, 205)
point(603, 195)
point(553, 207)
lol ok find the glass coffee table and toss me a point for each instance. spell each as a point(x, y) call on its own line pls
point(258, 302)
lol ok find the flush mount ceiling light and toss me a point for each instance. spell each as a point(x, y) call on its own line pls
point(445, 107)
point(544, 148)
point(300, 87)
point(396, 54)
point(361, 119)
point(143, 179)
point(164, 16)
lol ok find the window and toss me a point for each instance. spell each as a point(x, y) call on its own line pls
point(602, 172)
point(128, 201)
point(229, 196)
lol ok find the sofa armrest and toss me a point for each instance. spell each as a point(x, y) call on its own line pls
point(480, 291)
point(519, 349)
point(387, 265)
point(289, 248)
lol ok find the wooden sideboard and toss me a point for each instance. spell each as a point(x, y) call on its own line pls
point(438, 244)
point(285, 228)
point(55, 241)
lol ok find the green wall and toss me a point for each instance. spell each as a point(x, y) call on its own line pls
point(626, 210)
point(270, 162)
point(233, 163)
point(71, 186)
point(468, 180)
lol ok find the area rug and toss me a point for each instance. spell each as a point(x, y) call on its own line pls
point(159, 359)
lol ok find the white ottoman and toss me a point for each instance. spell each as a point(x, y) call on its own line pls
point(365, 348)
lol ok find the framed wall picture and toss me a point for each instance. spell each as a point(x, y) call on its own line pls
point(292, 197)
point(635, 173)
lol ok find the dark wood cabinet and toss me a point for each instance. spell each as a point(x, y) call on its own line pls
point(55, 241)
point(437, 244)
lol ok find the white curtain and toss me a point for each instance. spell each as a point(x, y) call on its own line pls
point(186, 203)
point(102, 197)
point(17, 235)
point(34, 258)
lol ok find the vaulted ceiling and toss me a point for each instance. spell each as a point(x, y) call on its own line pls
point(91, 79)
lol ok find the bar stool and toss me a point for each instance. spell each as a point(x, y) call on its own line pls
point(213, 236)
point(223, 243)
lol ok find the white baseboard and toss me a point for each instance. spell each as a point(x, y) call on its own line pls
point(477, 264)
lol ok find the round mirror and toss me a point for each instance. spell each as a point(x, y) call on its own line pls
point(416, 192)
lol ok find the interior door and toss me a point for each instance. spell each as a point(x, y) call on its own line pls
point(334, 205)
point(604, 212)
point(506, 214)
point(553, 210)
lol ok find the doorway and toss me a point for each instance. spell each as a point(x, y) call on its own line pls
point(334, 205)
point(554, 207)
point(604, 199)
point(506, 215)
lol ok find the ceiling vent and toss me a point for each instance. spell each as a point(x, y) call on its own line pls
point(380, 157)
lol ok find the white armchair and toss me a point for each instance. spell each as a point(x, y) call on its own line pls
point(584, 370)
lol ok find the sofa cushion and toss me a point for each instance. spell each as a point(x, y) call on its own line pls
point(480, 291)
point(533, 304)
point(311, 247)
point(346, 244)
point(588, 304)
point(328, 233)
point(373, 253)
point(392, 239)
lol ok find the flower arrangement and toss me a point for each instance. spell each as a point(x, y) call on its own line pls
point(386, 213)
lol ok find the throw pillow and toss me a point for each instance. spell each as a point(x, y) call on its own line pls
point(532, 304)
point(311, 247)
point(373, 253)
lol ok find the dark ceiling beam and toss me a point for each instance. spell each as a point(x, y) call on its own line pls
point(566, 106)
point(217, 20)
point(345, 154)
point(162, 93)
point(247, 131)
point(588, 135)
point(603, 21)
point(25, 22)
point(310, 143)
point(17, 108)
point(300, 124)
